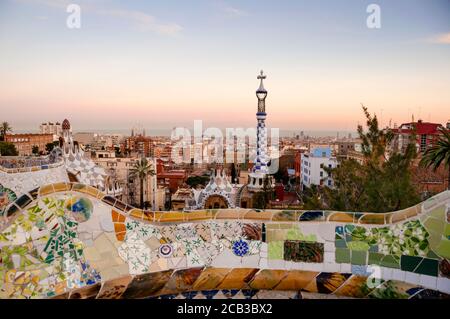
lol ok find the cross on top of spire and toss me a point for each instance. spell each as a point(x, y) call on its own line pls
point(261, 76)
point(261, 88)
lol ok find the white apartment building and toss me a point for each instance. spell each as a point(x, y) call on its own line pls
point(120, 168)
point(312, 167)
point(51, 128)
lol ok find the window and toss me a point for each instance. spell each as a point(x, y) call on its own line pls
point(321, 174)
point(423, 142)
point(329, 182)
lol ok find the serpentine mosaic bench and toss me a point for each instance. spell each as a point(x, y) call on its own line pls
point(69, 240)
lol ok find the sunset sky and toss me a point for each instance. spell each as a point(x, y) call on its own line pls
point(161, 64)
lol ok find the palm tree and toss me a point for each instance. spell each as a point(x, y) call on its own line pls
point(141, 169)
point(4, 129)
point(439, 154)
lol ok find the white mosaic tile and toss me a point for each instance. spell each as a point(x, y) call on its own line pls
point(428, 281)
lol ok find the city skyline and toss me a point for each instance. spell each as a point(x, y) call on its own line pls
point(167, 65)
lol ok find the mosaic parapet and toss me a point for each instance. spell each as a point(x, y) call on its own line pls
point(14, 165)
point(69, 240)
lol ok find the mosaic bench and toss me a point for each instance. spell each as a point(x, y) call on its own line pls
point(69, 240)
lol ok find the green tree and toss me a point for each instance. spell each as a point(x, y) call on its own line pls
point(50, 146)
point(438, 154)
point(381, 183)
point(262, 198)
point(8, 149)
point(233, 174)
point(312, 198)
point(348, 192)
point(4, 129)
point(141, 169)
point(35, 149)
point(194, 181)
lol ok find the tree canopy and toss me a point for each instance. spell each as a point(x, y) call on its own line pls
point(8, 149)
point(381, 182)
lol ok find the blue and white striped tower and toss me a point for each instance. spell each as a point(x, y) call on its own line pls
point(260, 169)
point(261, 159)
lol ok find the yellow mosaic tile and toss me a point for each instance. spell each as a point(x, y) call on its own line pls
point(377, 219)
point(92, 191)
point(172, 217)
point(46, 189)
point(200, 215)
point(136, 213)
point(267, 278)
point(265, 215)
point(149, 216)
point(238, 278)
point(354, 287)
point(61, 187)
point(398, 217)
point(341, 217)
point(296, 280)
point(285, 215)
point(210, 278)
point(228, 214)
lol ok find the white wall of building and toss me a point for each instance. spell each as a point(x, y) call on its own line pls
point(312, 172)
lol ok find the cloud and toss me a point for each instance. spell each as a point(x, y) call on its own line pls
point(234, 12)
point(443, 38)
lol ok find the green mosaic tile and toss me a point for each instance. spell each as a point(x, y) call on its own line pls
point(390, 262)
point(375, 258)
point(275, 250)
point(428, 267)
point(410, 263)
point(373, 248)
point(340, 243)
point(438, 213)
point(443, 249)
point(342, 255)
point(447, 230)
point(435, 225)
point(359, 257)
point(358, 245)
point(432, 255)
point(349, 228)
point(295, 234)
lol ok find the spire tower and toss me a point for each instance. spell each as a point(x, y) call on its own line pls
point(260, 170)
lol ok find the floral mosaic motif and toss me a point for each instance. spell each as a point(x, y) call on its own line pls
point(58, 247)
point(240, 248)
point(300, 251)
point(63, 241)
point(409, 238)
point(136, 253)
point(7, 196)
point(45, 255)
